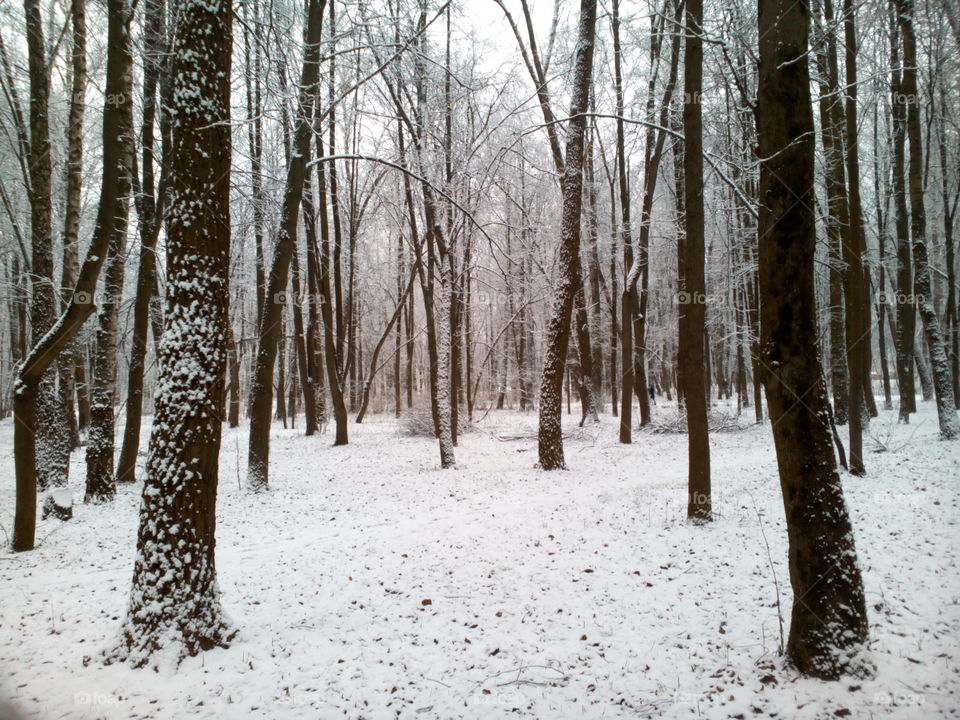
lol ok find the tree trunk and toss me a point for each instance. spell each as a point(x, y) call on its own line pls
point(550, 437)
point(855, 292)
point(149, 210)
point(269, 336)
point(174, 602)
point(52, 432)
point(45, 352)
point(67, 362)
point(300, 350)
point(692, 337)
point(838, 211)
point(828, 622)
point(939, 362)
point(100, 486)
point(904, 307)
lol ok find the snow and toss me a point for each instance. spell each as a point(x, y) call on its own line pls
point(551, 594)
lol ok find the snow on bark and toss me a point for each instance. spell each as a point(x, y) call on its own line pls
point(939, 363)
point(101, 484)
point(828, 626)
point(550, 437)
point(271, 322)
point(174, 602)
point(447, 459)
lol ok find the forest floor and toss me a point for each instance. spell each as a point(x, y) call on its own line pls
point(551, 595)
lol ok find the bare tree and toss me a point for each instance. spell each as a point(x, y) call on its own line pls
point(828, 624)
point(174, 598)
point(939, 362)
point(261, 400)
point(694, 283)
point(45, 351)
point(550, 437)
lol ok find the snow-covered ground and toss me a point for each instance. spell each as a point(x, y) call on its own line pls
point(371, 584)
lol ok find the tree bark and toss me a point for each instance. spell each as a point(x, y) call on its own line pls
point(45, 351)
point(67, 362)
point(828, 622)
point(939, 362)
point(52, 433)
point(854, 244)
point(692, 337)
point(550, 437)
point(904, 306)
point(838, 210)
point(174, 602)
point(100, 485)
point(269, 336)
point(149, 210)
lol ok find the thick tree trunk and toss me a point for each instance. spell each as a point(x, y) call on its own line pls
point(550, 437)
point(52, 432)
point(174, 602)
point(692, 337)
point(828, 623)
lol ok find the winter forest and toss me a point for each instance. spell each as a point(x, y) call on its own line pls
point(474, 359)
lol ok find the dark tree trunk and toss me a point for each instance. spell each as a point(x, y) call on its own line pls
point(269, 336)
point(838, 210)
point(52, 431)
point(939, 362)
point(330, 360)
point(628, 300)
point(881, 212)
point(300, 348)
point(855, 292)
point(828, 622)
point(67, 362)
point(904, 307)
point(692, 343)
point(100, 484)
point(314, 338)
point(45, 352)
point(174, 602)
point(149, 210)
point(233, 366)
point(550, 437)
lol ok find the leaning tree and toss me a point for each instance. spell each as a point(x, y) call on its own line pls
point(828, 625)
